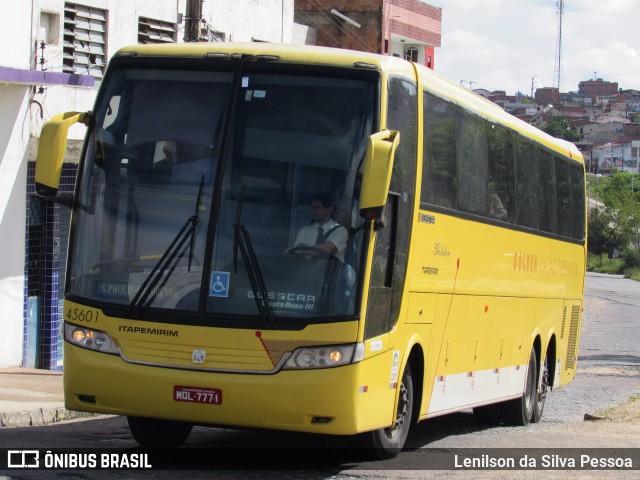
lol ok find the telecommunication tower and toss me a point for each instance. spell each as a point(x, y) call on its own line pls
point(557, 69)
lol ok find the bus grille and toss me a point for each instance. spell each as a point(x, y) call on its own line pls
point(231, 358)
point(572, 345)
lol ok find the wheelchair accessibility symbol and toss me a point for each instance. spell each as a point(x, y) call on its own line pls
point(219, 284)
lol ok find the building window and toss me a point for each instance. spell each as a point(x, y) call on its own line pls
point(49, 28)
point(156, 31)
point(85, 40)
point(411, 54)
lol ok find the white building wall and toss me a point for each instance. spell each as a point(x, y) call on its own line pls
point(251, 20)
point(14, 136)
point(14, 37)
point(14, 131)
point(25, 109)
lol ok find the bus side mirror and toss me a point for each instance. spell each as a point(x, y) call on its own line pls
point(376, 177)
point(51, 148)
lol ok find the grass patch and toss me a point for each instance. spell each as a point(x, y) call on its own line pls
point(614, 266)
point(602, 264)
point(633, 274)
point(611, 411)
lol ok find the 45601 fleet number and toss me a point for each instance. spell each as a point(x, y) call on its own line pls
point(82, 315)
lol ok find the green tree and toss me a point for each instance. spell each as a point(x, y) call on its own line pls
point(623, 204)
point(603, 234)
point(560, 127)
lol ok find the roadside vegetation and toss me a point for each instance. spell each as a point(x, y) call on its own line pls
point(614, 224)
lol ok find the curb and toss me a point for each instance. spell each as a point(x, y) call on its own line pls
point(40, 416)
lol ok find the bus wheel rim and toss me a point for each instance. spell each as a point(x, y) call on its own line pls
point(401, 414)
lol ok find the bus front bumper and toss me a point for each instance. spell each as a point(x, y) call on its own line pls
point(328, 401)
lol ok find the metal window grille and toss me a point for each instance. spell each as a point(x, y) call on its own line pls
point(84, 40)
point(156, 31)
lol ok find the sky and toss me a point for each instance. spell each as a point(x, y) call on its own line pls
point(510, 44)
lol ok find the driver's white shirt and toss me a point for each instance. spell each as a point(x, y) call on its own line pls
point(308, 235)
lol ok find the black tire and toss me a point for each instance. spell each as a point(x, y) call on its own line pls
point(487, 414)
point(520, 410)
point(388, 442)
point(153, 433)
point(541, 393)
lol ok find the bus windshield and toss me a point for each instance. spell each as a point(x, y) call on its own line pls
point(195, 187)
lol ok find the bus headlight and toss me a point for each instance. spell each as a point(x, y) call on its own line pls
point(325, 357)
point(90, 338)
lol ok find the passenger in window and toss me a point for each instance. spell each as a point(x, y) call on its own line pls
point(325, 234)
point(162, 167)
point(496, 208)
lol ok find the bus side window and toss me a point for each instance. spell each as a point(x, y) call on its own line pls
point(501, 171)
point(379, 318)
point(472, 165)
point(548, 199)
point(577, 201)
point(527, 184)
point(439, 171)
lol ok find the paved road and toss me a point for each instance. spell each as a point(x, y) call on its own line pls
point(608, 373)
point(609, 353)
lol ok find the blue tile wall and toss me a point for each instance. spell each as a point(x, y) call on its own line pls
point(55, 221)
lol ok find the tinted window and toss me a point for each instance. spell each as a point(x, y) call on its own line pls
point(578, 201)
point(548, 200)
point(501, 173)
point(527, 184)
point(478, 167)
point(392, 243)
point(439, 168)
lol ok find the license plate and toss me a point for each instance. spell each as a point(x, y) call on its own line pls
point(211, 396)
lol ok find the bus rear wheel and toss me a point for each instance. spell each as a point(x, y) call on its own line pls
point(154, 433)
point(388, 442)
point(541, 393)
point(520, 410)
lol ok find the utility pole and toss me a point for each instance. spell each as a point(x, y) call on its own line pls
point(533, 86)
point(192, 21)
point(557, 71)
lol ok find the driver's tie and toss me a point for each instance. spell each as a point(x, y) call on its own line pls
point(320, 237)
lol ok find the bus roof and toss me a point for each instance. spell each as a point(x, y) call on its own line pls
point(289, 53)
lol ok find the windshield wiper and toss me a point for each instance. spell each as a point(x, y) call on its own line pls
point(242, 240)
point(148, 291)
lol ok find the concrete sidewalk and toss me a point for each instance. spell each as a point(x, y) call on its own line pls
point(30, 396)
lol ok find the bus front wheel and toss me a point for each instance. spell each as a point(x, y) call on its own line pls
point(153, 433)
point(388, 442)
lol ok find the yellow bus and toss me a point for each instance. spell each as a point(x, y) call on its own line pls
point(452, 278)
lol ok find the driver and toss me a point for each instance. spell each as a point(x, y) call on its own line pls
point(325, 233)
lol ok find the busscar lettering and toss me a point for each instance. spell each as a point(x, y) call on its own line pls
point(284, 296)
point(148, 331)
point(288, 300)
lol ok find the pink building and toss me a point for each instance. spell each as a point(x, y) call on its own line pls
point(404, 28)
